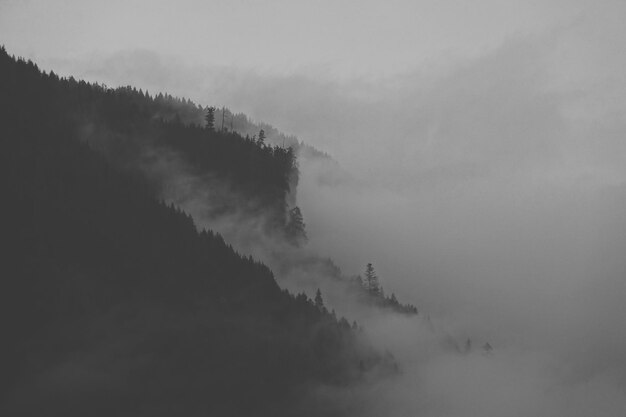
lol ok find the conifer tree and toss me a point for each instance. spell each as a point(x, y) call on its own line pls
point(393, 299)
point(371, 280)
point(319, 301)
point(295, 227)
point(359, 281)
point(210, 118)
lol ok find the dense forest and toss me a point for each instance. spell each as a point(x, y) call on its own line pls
point(113, 302)
point(133, 129)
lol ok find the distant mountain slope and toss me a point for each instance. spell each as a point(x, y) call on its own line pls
point(112, 302)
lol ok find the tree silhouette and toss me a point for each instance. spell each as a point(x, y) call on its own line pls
point(210, 118)
point(371, 280)
point(319, 301)
point(295, 228)
point(359, 281)
point(393, 300)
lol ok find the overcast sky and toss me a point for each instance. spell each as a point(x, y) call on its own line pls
point(486, 140)
point(342, 38)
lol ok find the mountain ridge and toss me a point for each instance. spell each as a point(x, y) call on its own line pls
point(114, 302)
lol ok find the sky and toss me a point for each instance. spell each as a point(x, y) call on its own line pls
point(342, 38)
point(483, 156)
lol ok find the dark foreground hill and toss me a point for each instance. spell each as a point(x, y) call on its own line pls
point(113, 303)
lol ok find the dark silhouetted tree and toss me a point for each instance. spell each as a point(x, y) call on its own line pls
point(371, 280)
point(393, 300)
point(359, 281)
point(295, 227)
point(210, 118)
point(261, 140)
point(319, 301)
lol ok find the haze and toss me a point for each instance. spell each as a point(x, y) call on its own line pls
point(484, 157)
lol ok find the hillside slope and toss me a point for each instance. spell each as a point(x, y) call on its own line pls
point(113, 303)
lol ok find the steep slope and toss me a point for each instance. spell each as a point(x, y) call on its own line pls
point(114, 304)
point(135, 131)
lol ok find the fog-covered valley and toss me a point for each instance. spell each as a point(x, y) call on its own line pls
point(482, 174)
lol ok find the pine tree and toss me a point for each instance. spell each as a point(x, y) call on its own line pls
point(319, 301)
point(261, 140)
point(359, 281)
point(371, 280)
point(394, 300)
point(210, 118)
point(294, 229)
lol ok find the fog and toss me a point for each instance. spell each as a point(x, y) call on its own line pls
point(484, 178)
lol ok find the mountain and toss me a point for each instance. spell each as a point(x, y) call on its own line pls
point(136, 131)
point(114, 302)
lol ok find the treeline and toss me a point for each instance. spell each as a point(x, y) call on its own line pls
point(226, 120)
point(129, 127)
point(113, 303)
point(370, 291)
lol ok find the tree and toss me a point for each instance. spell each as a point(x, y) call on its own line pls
point(261, 140)
point(393, 300)
point(294, 229)
point(371, 280)
point(359, 281)
point(319, 301)
point(210, 118)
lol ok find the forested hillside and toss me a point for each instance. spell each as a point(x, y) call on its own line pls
point(136, 131)
point(113, 303)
